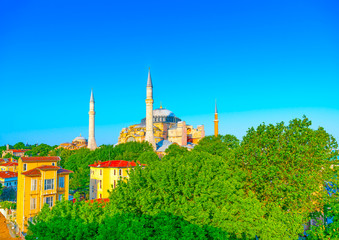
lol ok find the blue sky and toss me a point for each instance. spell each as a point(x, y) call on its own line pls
point(264, 61)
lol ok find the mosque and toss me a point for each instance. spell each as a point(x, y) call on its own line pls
point(161, 127)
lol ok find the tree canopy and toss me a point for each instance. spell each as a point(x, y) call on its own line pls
point(267, 186)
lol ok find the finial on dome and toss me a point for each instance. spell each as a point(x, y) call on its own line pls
point(80, 134)
point(92, 97)
point(160, 105)
point(149, 80)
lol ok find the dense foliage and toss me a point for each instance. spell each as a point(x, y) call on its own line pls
point(40, 150)
point(269, 185)
point(86, 220)
point(7, 205)
point(78, 160)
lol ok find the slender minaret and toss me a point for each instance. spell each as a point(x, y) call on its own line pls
point(216, 121)
point(91, 136)
point(149, 111)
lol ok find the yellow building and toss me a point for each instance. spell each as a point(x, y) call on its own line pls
point(166, 126)
point(105, 176)
point(77, 143)
point(40, 181)
point(9, 166)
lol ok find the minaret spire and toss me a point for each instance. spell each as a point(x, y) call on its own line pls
point(216, 120)
point(149, 111)
point(91, 133)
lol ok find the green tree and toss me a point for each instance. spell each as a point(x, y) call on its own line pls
point(174, 150)
point(288, 165)
point(8, 155)
point(204, 190)
point(160, 226)
point(148, 158)
point(19, 145)
point(1, 189)
point(67, 220)
point(40, 150)
point(217, 145)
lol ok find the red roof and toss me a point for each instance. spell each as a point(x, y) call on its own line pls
point(8, 174)
point(37, 171)
point(114, 163)
point(9, 164)
point(40, 159)
point(18, 150)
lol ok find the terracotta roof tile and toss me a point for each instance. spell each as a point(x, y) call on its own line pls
point(48, 167)
point(40, 159)
point(33, 172)
point(37, 171)
point(8, 174)
point(9, 164)
point(18, 150)
point(114, 164)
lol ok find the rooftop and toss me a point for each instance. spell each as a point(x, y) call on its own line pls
point(8, 174)
point(9, 164)
point(40, 159)
point(114, 164)
point(37, 171)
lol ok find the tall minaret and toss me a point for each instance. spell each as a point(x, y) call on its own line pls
point(216, 121)
point(149, 111)
point(91, 136)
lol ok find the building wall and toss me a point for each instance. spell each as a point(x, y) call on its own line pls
point(25, 192)
point(108, 181)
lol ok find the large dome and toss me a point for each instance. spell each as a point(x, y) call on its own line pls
point(163, 115)
point(79, 139)
point(162, 112)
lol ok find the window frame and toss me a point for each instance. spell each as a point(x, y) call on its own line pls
point(35, 185)
point(63, 182)
point(50, 184)
point(51, 201)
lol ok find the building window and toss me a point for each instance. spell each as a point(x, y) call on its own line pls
point(53, 164)
point(60, 197)
point(100, 196)
point(33, 185)
point(33, 203)
point(100, 184)
point(100, 172)
point(25, 166)
point(115, 172)
point(49, 184)
point(49, 201)
point(92, 189)
point(114, 183)
point(61, 182)
point(120, 172)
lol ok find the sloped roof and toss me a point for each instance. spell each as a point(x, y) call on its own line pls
point(9, 164)
point(37, 171)
point(18, 150)
point(64, 171)
point(40, 159)
point(8, 174)
point(114, 164)
point(163, 145)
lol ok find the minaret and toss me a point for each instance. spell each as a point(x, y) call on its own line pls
point(149, 111)
point(216, 121)
point(91, 136)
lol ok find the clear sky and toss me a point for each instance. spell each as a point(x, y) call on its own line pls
point(264, 61)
